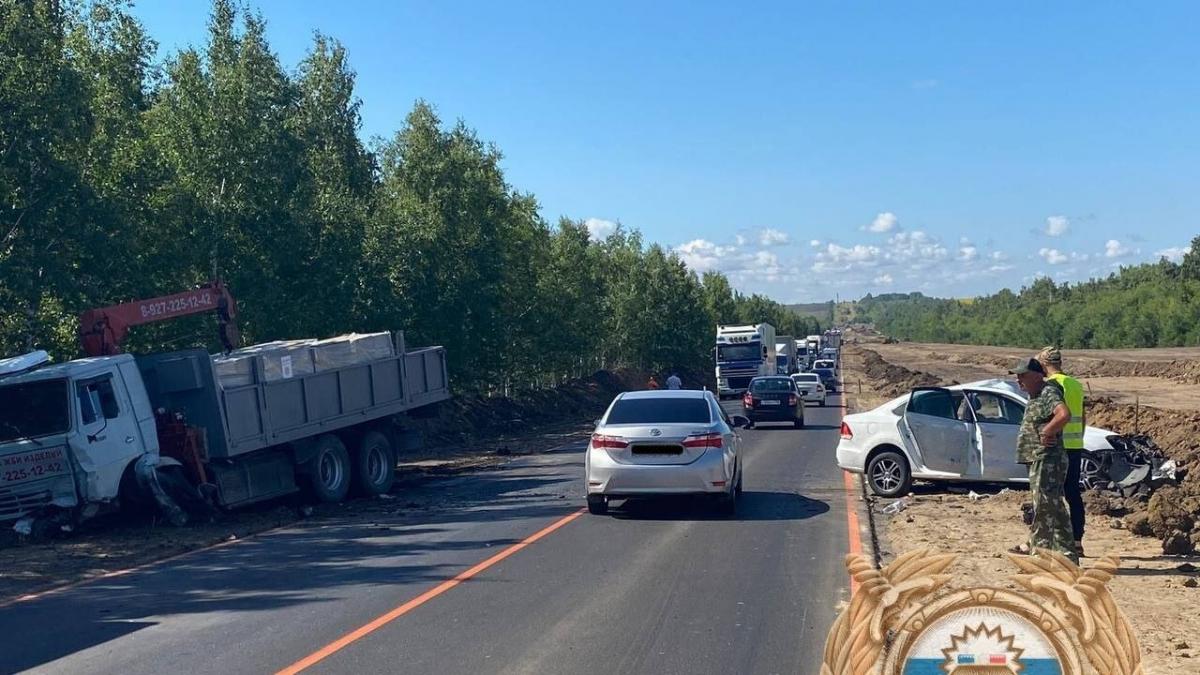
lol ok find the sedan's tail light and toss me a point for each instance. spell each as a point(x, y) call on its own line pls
point(791, 400)
point(609, 442)
point(704, 441)
point(846, 433)
point(748, 400)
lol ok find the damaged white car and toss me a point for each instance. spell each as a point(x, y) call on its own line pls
point(965, 432)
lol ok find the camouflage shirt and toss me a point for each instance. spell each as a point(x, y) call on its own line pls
point(1038, 412)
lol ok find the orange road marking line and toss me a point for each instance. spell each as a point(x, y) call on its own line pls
point(852, 526)
point(381, 621)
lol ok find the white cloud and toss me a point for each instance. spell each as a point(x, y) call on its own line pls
point(815, 243)
point(999, 256)
point(844, 258)
point(916, 249)
point(1057, 226)
point(599, 229)
point(1174, 254)
point(1115, 249)
point(999, 268)
point(740, 240)
point(884, 280)
point(702, 255)
point(770, 237)
point(884, 222)
point(1053, 256)
point(968, 253)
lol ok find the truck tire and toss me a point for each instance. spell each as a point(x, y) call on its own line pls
point(374, 465)
point(329, 470)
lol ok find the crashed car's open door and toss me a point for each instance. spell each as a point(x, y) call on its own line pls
point(932, 425)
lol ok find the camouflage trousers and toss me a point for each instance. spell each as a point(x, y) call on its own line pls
point(1051, 528)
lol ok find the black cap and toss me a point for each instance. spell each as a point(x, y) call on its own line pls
point(1027, 365)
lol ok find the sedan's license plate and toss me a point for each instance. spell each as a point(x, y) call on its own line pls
point(657, 450)
point(41, 463)
point(770, 402)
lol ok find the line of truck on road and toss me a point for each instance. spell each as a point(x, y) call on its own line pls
point(746, 351)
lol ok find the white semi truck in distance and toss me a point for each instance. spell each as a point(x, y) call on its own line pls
point(743, 353)
point(786, 361)
point(803, 358)
point(815, 344)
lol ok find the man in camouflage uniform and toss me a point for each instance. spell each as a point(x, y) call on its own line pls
point(1040, 446)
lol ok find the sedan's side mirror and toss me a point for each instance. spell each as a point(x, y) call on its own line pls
point(740, 422)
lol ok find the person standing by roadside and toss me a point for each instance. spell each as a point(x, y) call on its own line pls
point(1039, 445)
point(652, 383)
point(1051, 360)
point(673, 382)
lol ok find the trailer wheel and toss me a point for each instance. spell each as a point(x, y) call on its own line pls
point(374, 465)
point(329, 470)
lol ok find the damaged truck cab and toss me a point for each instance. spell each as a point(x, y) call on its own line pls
point(69, 434)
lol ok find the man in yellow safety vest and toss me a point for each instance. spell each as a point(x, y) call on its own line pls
point(1051, 360)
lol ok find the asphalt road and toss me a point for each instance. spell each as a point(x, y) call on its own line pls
point(654, 587)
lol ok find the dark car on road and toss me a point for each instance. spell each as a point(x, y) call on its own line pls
point(828, 378)
point(774, 399)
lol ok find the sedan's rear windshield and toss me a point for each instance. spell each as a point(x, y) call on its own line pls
point(33, 409)
point(776, 384)
point(807, 378)
point(659, 410)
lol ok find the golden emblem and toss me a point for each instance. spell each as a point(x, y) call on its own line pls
point(898, 623)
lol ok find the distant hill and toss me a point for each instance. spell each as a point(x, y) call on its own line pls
point(821, 311)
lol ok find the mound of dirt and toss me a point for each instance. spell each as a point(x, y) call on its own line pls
point(890, 379)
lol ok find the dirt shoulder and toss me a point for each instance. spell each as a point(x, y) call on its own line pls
point(1157, 592)
point(1159, 378)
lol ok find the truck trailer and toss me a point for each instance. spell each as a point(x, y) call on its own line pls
point(785, 355)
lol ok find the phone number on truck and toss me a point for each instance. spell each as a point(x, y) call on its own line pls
point(201, 300)
point(33, 465)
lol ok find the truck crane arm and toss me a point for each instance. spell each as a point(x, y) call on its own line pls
point(102, 330)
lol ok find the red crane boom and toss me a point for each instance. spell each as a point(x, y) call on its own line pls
point(101, 331)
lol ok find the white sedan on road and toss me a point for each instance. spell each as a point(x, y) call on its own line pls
point(967, 432)
point(810, 387)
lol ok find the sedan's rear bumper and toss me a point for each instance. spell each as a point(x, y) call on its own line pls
point(851, 458)
point(707, 475)
point(780, 413)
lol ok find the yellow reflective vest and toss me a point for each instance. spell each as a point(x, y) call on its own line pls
point(1073, 395)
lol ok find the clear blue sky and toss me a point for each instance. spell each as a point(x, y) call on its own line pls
point(988, 144)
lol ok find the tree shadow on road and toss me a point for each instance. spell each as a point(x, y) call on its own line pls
point(752, 506)
point(423, 535)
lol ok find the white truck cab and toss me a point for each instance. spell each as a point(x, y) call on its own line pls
point(69, 432)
